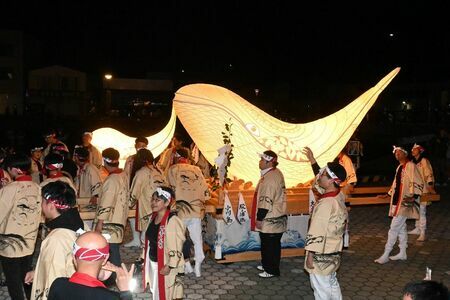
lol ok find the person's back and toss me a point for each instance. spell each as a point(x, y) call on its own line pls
point(63, 289)
point(190, 186)
point(55, 255)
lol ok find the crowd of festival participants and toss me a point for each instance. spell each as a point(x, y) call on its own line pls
point(81, 259)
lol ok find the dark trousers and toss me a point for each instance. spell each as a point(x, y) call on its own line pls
point(271, 252)
point(15, 270)
point(114, 258)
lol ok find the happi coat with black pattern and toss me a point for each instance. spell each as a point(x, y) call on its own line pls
point(325, 234)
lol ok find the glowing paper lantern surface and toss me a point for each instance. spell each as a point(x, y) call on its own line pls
point(108, 137)
point(204, 110)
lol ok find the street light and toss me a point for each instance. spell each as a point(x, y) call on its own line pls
point(107, 106)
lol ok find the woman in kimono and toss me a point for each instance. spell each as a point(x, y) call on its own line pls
point(164, 241)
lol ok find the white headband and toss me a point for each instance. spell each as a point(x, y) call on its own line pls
point(265, 157)
point(421, 149)
point(163, 193)
point(37, 149)
point(54, 166)
point(399, 148)
point(332, 175)
point(88, 133)
point(109, 160)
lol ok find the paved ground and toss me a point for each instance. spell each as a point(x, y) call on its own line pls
point(359, 277)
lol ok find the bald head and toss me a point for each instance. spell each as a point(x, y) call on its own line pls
point(92, 253)
point(91, 240)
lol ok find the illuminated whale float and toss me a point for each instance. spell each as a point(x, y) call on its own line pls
point(204, 109)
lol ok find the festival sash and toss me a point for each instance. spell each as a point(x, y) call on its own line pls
point(160, 255)
point(400, 192)
point(137, 219)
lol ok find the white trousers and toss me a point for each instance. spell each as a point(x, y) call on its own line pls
point(194, 225)
point(422, 222)
point(133, 228)
point(154, 279)
point(397, 230)
point(326, 287)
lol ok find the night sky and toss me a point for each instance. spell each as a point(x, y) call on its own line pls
point(313, 44)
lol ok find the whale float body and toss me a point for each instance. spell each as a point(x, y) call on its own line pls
point(108, 137)
point(204, 109)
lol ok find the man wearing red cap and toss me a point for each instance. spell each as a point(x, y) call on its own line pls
point(405, 193)
point(269, 213)
point(424, 166)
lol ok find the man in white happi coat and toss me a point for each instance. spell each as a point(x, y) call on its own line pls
point(324, 240)
point(112, 208)
point(405, 193)
point(191, 192)
point(426, 171)
point(20, 213)
point(88, 182)
point(268, 215)
point(140, 142)
point(55, 256)
point(95, 157)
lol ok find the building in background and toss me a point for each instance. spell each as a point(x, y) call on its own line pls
point(11, 72)
point(137, 98)
point(57, 91)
